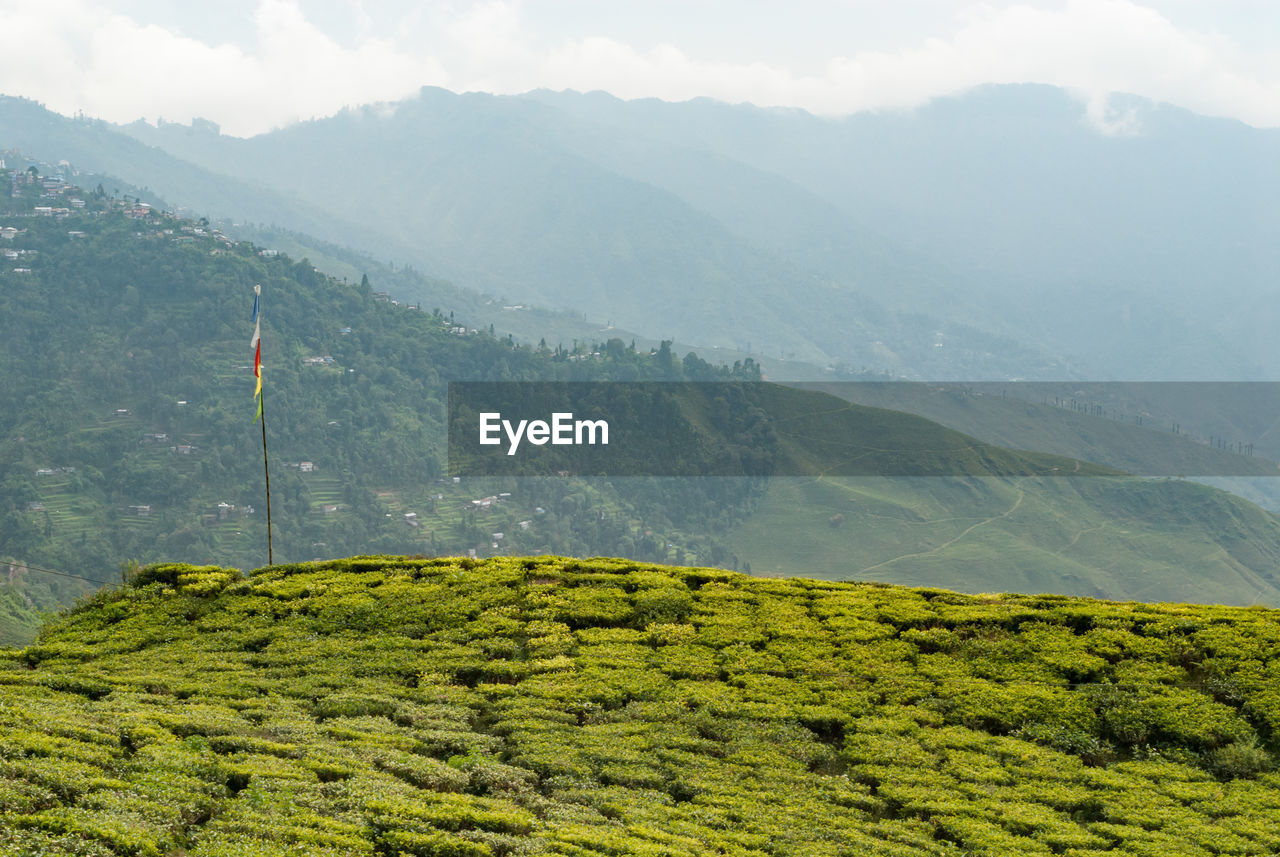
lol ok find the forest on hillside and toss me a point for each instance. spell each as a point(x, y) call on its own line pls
point(129, 434)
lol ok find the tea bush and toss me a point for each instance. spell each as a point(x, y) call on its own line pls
point(391, 706)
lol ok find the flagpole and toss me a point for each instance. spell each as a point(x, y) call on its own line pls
point(266, 474)
point(256, 344)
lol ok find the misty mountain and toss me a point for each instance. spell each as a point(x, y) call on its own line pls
point(518, 199)
point(1001, 233)
point(1132, 246)
point(1141, 251)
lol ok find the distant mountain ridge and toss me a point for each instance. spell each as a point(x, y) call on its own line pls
point(489, 193)
point(999, 224)
point(469, 204)
point(995, 234)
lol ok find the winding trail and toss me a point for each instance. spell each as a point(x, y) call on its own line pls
point(1077, 536)
point(1006, 513)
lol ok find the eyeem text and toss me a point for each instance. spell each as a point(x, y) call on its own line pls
point(563, 430)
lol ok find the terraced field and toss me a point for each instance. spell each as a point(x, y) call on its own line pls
point(393, 706)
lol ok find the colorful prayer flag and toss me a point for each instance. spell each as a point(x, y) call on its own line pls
point(256, 344)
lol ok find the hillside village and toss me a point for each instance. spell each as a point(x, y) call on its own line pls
point(170, 435)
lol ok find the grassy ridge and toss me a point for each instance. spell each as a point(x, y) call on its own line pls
point(387, 706)
point(827, 435)
point(1022, 421)
point(1156, 540)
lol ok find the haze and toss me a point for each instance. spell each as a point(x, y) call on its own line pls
point(253, 66)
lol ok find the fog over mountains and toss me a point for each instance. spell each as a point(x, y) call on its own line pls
point(998, 234)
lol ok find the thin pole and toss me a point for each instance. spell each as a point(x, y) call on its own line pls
point(266, 472)
point(261, 395)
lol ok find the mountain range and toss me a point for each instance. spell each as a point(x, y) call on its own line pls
point(997, 234)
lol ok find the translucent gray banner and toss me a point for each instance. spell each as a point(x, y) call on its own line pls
point(758, 429)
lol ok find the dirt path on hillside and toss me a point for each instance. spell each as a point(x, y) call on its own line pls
point(953, 540)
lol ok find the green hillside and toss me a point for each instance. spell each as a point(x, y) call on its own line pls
point(1163, 539)
point(392, 706)
point(1157, 540)
point(1137, 440)
point(826, 435)
point(18, 617)
point(128, 436)
point(527, 323)
point(94, 146)
point(127, 430)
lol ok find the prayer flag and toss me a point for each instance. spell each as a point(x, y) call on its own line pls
point(256, 344)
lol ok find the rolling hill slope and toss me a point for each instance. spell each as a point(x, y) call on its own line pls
point(129, 429)
point(1161, 540)
point(383, 705)
point(1126, 426)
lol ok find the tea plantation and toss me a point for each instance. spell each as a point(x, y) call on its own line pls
point(393, 706)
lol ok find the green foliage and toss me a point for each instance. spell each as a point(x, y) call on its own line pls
point(553, 706)
point(124, 360)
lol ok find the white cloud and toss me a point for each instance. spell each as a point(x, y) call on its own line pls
point(1089, 46)
point(487, 50)
point(1111, 120)
point(73, 56)
point(38, 57)
point(109, 65)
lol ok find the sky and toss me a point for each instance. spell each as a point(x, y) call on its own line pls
point(254, 65)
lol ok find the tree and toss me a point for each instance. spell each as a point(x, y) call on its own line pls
point(129, 570)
